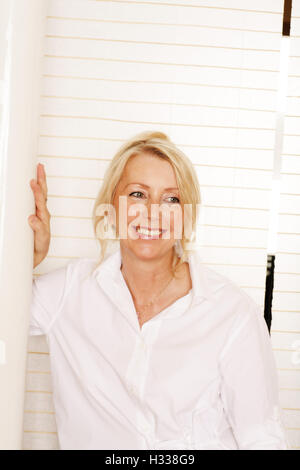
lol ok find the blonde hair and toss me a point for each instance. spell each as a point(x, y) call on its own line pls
point(158, 144)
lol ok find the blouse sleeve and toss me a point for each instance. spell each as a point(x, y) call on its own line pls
point(249, 387)
point(48, 294)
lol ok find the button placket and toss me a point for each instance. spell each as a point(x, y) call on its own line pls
point(137, 370)
point(145, 418)
point(136, 378)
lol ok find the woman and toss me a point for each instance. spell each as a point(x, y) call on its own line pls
point(149, 348)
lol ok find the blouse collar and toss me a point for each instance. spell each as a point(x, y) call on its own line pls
point(204, 280)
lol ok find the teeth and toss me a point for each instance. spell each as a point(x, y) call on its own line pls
point(150, 233)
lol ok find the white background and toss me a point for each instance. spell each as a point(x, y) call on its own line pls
point(206, 73)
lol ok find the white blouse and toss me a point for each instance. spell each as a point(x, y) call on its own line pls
point(199, 375)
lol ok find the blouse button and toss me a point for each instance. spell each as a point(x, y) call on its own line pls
point(133, 390)
point(146, 429)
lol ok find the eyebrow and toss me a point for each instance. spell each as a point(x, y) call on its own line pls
point(148, 187)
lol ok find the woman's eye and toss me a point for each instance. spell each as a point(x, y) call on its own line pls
point(173, 197)
point(136, 192)
point(140, 193)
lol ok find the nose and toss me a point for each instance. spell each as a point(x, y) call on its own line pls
point(152, 214)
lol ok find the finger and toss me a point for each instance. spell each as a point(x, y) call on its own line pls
point(35, 223)
point(40, 202)
point(41, 179)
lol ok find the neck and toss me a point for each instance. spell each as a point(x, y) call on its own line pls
point(142, 275)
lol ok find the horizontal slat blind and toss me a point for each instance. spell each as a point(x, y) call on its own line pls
point(286, 299)
point(203, 72)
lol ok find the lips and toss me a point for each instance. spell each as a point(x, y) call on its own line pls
point(148, 228)
point(149, 235)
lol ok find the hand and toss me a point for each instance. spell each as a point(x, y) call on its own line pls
point(40, 221)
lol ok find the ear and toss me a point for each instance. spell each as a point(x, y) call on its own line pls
point(178, 248)
point(112, 217)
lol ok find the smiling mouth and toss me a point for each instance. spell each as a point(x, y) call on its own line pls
point(146, 233)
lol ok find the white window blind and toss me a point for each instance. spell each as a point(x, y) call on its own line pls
point(204, 72)
point(286, 299)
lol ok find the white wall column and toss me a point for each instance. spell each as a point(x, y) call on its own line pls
point(22, 26)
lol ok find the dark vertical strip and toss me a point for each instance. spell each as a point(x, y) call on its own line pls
point(286, 28)
point(269, 290)
point(287, 12)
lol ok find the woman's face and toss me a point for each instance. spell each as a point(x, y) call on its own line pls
point(148, 181)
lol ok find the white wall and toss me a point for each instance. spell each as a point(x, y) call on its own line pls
point(22, 25)
point(206, 73)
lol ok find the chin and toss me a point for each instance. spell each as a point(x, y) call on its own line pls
point(147, 249)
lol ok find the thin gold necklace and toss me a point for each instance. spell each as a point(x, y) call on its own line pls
point(145, 306)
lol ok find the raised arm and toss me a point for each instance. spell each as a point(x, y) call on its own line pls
point(40, 221)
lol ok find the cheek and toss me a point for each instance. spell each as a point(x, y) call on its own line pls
point(178, 217)
point(137, 210)
point(175, 218)
point(133, 211)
